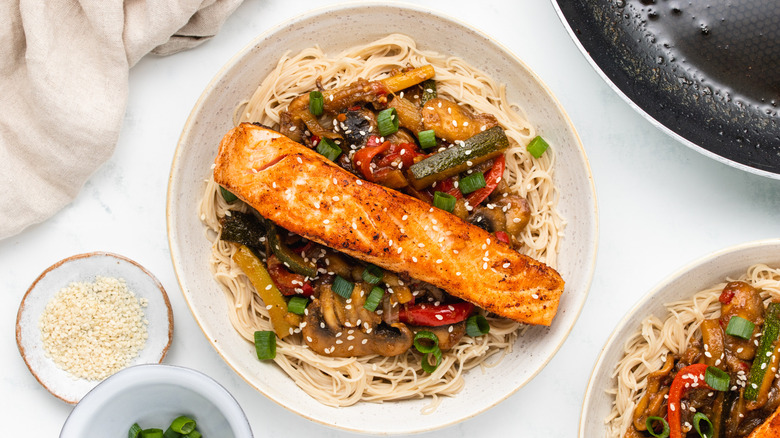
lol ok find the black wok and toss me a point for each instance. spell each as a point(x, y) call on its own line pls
point(705, 71)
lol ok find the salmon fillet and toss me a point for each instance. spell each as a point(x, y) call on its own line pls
point(770, 428)
point(304, 192)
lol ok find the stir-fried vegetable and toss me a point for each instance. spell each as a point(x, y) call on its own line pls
point(243, 228)
point(432, 315)
point(537, 146)
point(265, 344)
point(682, 381)
point(458, 158)
point(759, 380)
point(477, 325)
point(274, 301)
point(288, 257)
point(428, 91)
point(407, 79)
point(492, 178)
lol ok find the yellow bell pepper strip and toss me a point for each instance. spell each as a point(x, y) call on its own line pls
point(253, 268)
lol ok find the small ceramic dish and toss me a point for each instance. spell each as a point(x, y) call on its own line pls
point(152, 396)
point(85, 268)
point(699, 275)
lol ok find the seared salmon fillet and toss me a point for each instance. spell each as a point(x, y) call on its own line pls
point(304, 192)
point(770, 428)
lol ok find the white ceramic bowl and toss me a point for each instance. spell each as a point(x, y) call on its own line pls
point(212, 118)
point(81, 268)
point(152, 396)
point(699, 275)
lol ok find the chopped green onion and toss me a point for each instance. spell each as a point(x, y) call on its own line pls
point(445, 201)
point(265, 344)
point(537, 146)
point(193, 434)
point(425, 363)
point(740, 327)
point(316, 103)
point(226, 195)
point(649, 424)
point(387, 121)
point(343, 287)
point(152, 433)
point(472, 183)
point(372, 302)
point(697, 424)
point(170, 433)
point(135, 431)
point(297, 305)
point(717, 379)
point(183, 424)
point(477, 325)
point(426, 342)
point(427, 139)
point(373, 274)
point(329, 149)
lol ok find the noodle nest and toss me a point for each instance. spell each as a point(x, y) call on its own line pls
point(346, 381)
point(646, 350)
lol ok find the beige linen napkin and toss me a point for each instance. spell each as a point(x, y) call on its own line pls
point(63, 88)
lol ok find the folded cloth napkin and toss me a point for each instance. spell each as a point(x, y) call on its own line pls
point(63, 88)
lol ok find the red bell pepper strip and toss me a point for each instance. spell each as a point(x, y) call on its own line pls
point(404, 152)
point(287, 282)
point(433, 316)
point(364, 156)
point(448, 186)
point(690, 376)
point(502, 236)
point(492, 179)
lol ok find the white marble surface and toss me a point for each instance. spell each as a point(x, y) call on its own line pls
point(661, 206)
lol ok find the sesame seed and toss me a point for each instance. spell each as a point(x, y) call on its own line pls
point(299, 160)
point(92, 330)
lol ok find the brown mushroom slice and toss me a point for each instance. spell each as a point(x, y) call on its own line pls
point(452, 122)
point(409, 115)
point(746, 303)
point(517, 213)
point(353, 342)
point(489, 219)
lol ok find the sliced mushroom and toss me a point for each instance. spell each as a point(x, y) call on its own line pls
point(489, 219)
point(350, 342)
point(357, 126)
point(409, 115)
point(745, 302)
point(452, 122)
point(517, 214)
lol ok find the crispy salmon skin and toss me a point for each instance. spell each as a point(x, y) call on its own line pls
point(304, 192)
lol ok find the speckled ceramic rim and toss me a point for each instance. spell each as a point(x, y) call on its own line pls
point(159, 374)
point(622, 331)
point(590, 256)
point(20, 344)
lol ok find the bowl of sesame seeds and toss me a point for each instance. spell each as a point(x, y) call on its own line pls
point(89, 316)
